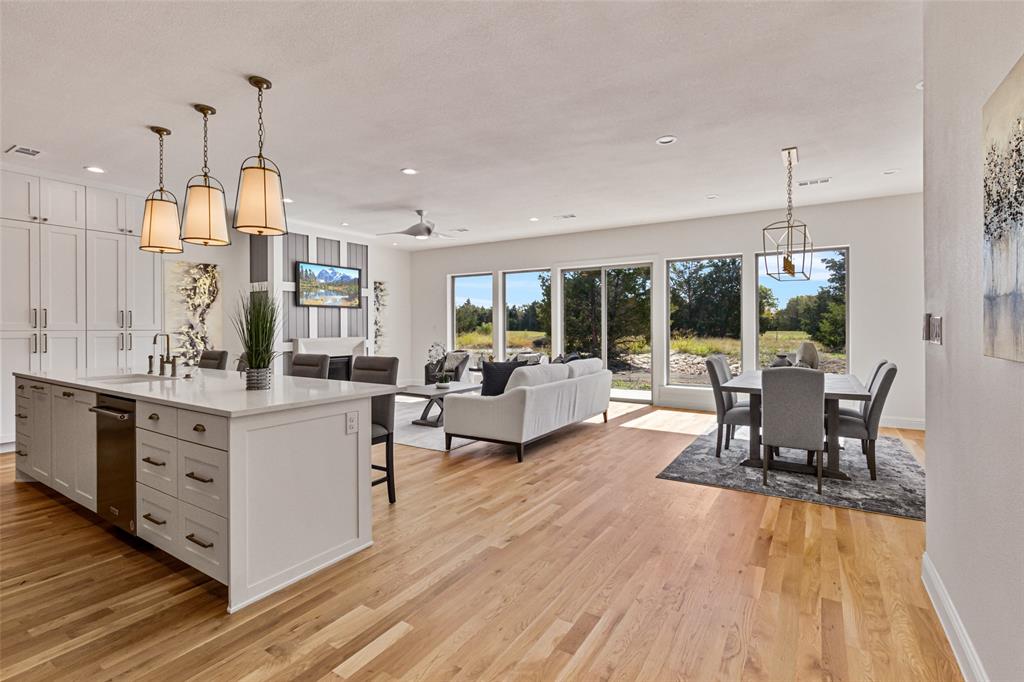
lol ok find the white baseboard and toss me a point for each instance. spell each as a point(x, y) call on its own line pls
point(966, 655)
point(904, 422)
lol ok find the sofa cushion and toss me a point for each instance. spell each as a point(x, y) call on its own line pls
point(496, 376)
point(580, 368)
point(537, 375)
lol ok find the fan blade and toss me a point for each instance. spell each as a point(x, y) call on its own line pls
point(384, 234)
point(442, 235)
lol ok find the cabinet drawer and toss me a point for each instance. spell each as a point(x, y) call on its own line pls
point(23, 416)
point(22, 446)
point(156, 461)
point(203, 477)
point(203, 541)
point(158, 418)
point(205, 429)
point(21, 387)
point(157, 518)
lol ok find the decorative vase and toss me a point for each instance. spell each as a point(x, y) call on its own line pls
point(258, 379)
point(781, 360)
point(444, 384)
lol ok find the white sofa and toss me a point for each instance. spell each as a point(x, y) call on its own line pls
point(538, 400)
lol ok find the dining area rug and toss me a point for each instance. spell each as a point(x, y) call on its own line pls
point(898, 491)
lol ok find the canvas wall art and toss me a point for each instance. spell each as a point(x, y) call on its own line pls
point(193, 310)
point(1003, 123)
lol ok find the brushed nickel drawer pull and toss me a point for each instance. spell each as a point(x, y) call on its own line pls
point(21, 453)
point(154, 417)
point(199, 428)
point(152, 519)
point(19, 415)
point(67, 394)
point(154, 462)
point(21, 387)
point(38, 388)
point(191, 537)
point(196, 477)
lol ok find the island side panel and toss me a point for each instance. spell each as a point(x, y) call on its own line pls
point(299, 495)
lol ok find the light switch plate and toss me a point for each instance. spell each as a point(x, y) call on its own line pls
point(351, 422)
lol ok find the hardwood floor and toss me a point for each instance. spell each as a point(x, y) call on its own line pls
point(576, 564)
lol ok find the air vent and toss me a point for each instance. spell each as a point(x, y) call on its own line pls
point(813, 181)
point(24, 151)
point(565, 216)
point(461, 229)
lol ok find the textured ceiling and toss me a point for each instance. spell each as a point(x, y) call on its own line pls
point(508, 110)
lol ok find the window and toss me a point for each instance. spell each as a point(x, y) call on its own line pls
point(527, 313)
point(581, 312)
point(805, 310)
point(472, 305)
point(704, 313)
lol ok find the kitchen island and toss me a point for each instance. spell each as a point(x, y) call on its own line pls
point(257, 489)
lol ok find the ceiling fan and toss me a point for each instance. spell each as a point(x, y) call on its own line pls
point(424, 229)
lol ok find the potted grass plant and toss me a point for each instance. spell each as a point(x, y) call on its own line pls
point(256, 320)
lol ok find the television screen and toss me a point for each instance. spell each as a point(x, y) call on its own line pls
point(331, 286)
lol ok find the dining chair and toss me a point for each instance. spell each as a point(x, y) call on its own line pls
point(728, 411)
point(792, 402)
point(862, 409)
point(865, 427)
point(381, 370)
point(243, 363)
point(213, 359)
point(309, 365)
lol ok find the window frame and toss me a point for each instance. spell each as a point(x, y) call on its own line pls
point(668, 313)
point(502, 333)
point(452, 330)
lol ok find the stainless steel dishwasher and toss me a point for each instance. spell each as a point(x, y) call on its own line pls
point(115, 460)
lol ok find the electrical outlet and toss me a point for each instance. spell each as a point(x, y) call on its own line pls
point(351, 422)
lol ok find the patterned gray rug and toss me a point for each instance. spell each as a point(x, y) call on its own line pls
point(899, 490)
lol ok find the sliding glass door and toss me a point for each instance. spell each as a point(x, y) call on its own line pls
point(606, 313)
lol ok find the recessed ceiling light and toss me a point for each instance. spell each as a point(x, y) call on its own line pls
point(410, 171)
point(710, 196)
point(891, 171)
point(919, 86)
point(666, 139)
point(288, 200)
point(344, 224)
point(394, 243)
point(94, 169)
point(534, 220)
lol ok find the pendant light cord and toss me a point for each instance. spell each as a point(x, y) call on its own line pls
point(789, 188)
point(206, 147)
point(259, 113)
point(161, 161)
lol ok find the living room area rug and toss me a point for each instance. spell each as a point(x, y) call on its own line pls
point(899, 490)
point(408, 408)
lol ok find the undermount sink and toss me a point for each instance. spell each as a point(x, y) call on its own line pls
point(131, 378)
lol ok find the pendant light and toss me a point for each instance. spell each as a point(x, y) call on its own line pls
point(787, 243)
point(160, 227)
point(205, 220)
point(259, 204)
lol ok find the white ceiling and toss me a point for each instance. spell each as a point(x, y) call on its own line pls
point(509, 110)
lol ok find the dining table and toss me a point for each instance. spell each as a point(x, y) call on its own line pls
point(837, 387)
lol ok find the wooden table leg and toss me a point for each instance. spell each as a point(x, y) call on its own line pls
point(754, 456)
point(832, 469)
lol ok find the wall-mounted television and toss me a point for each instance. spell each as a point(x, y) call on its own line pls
point(328, 286)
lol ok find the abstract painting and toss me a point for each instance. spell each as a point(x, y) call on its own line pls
point(193, 314)
point(1003, 123)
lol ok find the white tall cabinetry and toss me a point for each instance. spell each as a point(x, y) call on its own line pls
point(75, 291)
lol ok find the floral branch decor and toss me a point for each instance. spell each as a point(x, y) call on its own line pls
point(380, 302)
point(256, 322)
point(199, 288)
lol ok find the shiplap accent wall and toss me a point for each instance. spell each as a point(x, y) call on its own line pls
point(294, 318)
point(258, 261)
point(358, 320)
point(328, 252)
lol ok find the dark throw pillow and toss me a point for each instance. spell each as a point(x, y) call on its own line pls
point(496, 376)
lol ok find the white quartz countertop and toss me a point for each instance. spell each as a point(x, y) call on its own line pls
point(214, 391)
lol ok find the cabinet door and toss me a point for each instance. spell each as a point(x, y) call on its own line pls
point(19, 276)
point(61, 278)
point(135, 207)
point(106, 282)
point(19, 196)
point(84, 491)
point(18, 353)
point(104, 210)
point(139, 346)
point(62, 351)
point(40, 456)
point(105, 350)
point(61, 203)
point(62, 476)
point(144, 294)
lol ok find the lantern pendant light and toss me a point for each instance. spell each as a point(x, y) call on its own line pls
point(787, 243)
point(160, 227)
point(205, 220)
point(259, 203)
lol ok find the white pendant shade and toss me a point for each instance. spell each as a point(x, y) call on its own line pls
point(205, 221)
point(160, 227)
point(259, 208)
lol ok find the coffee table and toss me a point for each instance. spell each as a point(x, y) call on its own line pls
point(436, 396)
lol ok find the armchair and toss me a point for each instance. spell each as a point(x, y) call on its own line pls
point(454, 363)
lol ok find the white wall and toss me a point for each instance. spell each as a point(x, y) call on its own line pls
point(974, 566)
point(886, 272)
